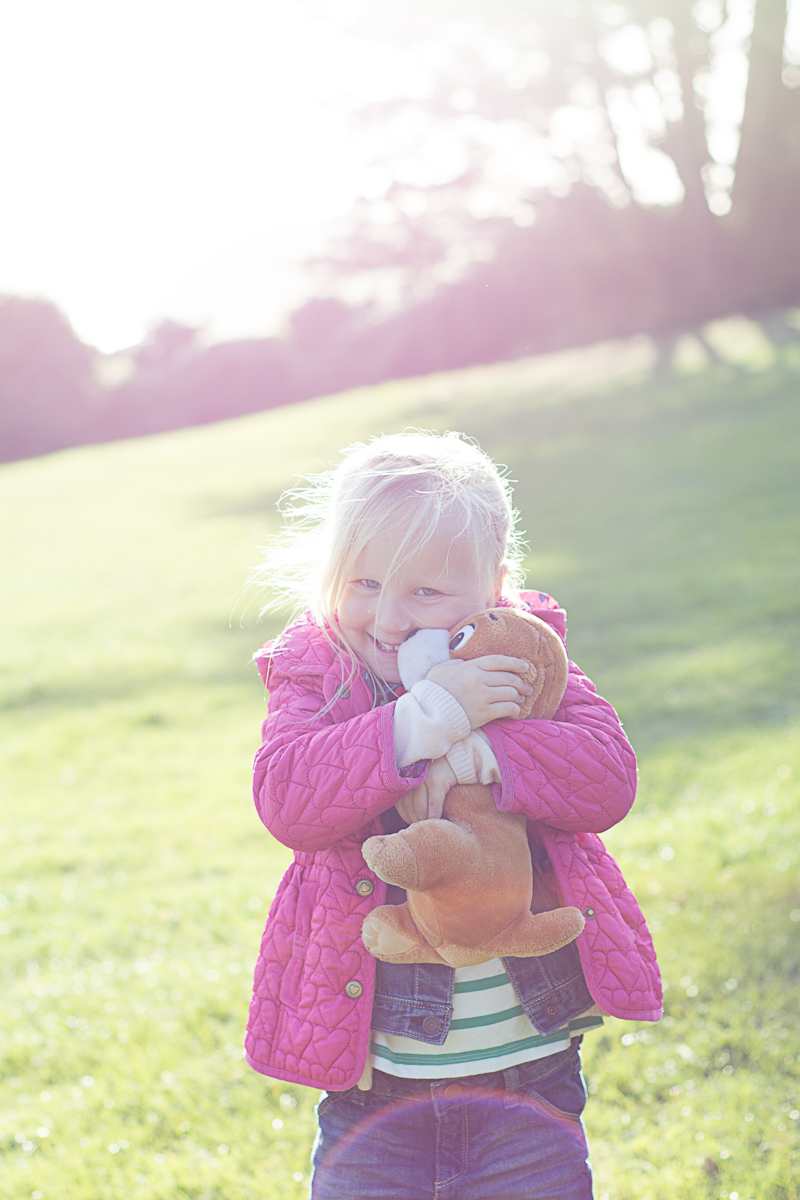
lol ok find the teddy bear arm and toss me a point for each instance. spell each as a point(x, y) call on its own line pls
point(534, 934)
point(426, 855)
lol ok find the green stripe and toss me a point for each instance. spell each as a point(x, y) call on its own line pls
point(480, 985)
point(585, 1023)
point(469, 1055)
point(486, 1055)
point(489, 1019)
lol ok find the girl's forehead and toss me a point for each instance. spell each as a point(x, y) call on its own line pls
point(443, 556)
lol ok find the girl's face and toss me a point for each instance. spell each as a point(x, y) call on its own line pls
point(436, 589)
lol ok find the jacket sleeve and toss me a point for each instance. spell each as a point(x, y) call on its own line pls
point(576, 772)
point(316, 780)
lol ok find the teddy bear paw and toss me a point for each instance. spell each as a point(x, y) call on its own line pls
point(382, 940)
point(392, 859)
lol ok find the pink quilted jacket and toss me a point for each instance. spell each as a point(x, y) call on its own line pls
point(322, 779)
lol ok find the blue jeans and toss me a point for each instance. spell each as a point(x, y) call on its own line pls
point(506, 1135)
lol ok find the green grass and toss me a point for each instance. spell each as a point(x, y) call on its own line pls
point(136, 876)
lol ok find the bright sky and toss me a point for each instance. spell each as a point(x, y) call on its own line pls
point(168, 158)
point(176, 158)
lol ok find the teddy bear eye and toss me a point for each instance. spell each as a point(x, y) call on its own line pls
point(462, 637)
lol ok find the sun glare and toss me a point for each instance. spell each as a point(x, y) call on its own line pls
point(180, 158)
point(169, 157)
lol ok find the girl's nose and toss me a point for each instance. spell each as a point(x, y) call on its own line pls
point(392, 619)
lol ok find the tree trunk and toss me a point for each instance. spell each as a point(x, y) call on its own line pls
point(767, 186)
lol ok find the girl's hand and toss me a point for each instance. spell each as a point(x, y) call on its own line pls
point(425, 802)
point(486, 688)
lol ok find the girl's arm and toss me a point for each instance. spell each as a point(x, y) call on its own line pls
point(317, 780)
point(576, 772)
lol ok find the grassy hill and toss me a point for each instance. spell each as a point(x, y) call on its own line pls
point(662, 513)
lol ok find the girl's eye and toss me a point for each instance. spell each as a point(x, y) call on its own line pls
point(372, 584)
point(426, 591)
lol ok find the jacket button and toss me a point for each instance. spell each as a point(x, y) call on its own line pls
point(343, 693)
point(552, 1010)
point(354, 989)
point(453, 1091)
point(365, 887)
point(432, 1025)
point(588, 913)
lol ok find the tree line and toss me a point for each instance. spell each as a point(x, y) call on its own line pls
point(429, 275)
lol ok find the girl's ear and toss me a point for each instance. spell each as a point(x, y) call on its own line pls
point(497, 591)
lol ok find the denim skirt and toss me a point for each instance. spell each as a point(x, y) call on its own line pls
point(504, 1135)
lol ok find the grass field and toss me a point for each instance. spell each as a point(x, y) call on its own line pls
point(662, 513)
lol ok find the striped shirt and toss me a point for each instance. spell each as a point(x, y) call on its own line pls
point(490, 1031)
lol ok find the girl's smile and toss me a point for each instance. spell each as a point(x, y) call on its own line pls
point(436, 589)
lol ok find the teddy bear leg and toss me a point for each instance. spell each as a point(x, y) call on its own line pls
point(422, 856)
point(389, 933)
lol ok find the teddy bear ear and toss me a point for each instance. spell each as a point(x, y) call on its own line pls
point(462, 637)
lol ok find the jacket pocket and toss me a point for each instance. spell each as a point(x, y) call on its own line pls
point(290, 989)
point(551, 988)
point(414, 1000)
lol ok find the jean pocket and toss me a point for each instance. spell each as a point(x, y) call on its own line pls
point(324, 1104)
point(332, 1098)
point(563, 1092)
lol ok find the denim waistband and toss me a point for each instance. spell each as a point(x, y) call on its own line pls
point(511, 1079)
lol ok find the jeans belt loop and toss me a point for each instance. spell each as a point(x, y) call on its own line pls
point(511, 1077)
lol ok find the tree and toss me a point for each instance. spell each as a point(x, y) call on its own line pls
point(519, 72)
point(194, 385)
point(46, 379)
point(765, 194)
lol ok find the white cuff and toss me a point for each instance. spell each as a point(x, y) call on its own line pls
point(427, 720)
point(473, 759)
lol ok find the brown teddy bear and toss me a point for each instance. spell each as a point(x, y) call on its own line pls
point(468, 876)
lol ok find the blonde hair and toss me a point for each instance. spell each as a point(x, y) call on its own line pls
point(402, 484)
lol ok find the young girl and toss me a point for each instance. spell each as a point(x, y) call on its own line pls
point(439, 1082)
